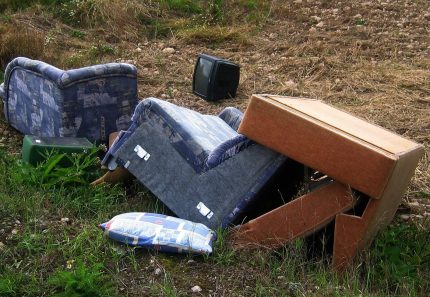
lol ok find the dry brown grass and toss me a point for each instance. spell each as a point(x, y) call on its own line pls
point(18, 41)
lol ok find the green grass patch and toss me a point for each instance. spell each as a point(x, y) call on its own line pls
point(401, 258)
point(81, 280)
point(187, 6)
point(77, 34)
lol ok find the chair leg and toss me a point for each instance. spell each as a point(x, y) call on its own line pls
point(297, 218)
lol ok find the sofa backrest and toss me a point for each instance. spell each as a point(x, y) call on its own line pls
point(91, 102)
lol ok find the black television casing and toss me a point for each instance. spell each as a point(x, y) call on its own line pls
point(223, 79)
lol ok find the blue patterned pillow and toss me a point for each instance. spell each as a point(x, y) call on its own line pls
point(161, 232)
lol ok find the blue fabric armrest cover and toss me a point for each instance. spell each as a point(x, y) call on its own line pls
point(64, 78)
point(232, 116)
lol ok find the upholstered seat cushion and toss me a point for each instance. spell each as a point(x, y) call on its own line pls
point(194, 135)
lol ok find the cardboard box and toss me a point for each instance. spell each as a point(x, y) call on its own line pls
point(298, 218)
point(369, 158)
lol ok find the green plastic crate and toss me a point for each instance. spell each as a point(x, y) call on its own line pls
point(35, 148)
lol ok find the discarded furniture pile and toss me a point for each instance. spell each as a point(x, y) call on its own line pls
point(235, 169)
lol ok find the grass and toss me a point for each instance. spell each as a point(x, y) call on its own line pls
point(72, 257)
point(19, 41)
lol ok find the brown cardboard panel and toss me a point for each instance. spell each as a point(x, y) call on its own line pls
point(370, 133)
point(299, 217)
point(307, 134)
point(353, 233)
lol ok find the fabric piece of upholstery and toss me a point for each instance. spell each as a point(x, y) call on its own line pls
point(215, 197)
point(194, 136)
point(232, 116)
point(215, 192)
point(90, 102)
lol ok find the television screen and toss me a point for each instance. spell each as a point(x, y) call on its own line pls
point(202, 76)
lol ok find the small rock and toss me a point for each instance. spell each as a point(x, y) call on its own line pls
point(281, 277)
point(316, 18)
point(320, 25)
point(17, 222)
point(357, 16)
point(157, 271)
point(312, 30)
point(273, 35)
point(14, 231)
point(169, 50)
point(138, 50)
point(426, 214)
point(427, 15)
point(191, 262)
point(2, 246)
point(405, 217)
point(196, 289)
point(298, 1)
point(290, 84)
point(65, 220)
point(420, 217)
point(337, 80)
point(414, 204)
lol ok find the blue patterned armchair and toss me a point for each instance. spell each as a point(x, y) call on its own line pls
point(92, 102)
point(198, 165)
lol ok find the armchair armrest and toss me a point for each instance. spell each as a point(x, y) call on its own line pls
point(232, 116)
point(63, 78)
point(226, 150)
point(35, 66)
point(70, 77)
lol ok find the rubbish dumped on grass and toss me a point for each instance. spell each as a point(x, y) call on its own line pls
point(160, 232)
point(217, 170)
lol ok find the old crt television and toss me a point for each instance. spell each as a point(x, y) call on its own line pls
point(215, 78)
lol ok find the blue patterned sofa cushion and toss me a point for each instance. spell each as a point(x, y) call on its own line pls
point(194, 135)
point(40, 99)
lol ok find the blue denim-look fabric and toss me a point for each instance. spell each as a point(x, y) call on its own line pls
point(203, 140)
point(232, 116)
point(89, 102)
